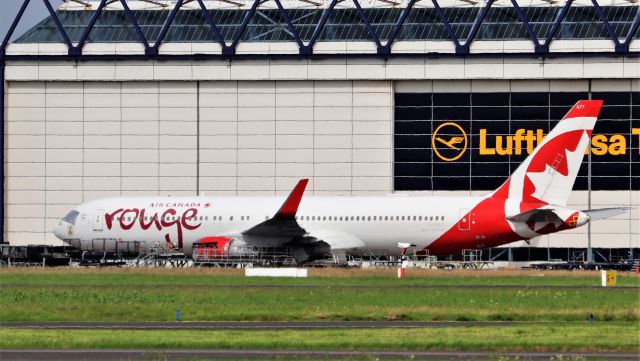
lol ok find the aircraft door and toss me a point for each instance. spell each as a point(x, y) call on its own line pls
point(464, 224)
point(98, 220)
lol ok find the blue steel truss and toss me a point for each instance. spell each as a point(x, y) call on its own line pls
point(462, 45)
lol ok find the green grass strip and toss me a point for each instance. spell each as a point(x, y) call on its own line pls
point(131, 303)
point(582, 337)
point(206, 277)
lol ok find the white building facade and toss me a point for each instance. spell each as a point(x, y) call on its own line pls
point(345, 103)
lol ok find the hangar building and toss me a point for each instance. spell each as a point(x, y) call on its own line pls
point(244, 97)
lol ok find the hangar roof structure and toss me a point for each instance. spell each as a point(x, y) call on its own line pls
point(305, 23)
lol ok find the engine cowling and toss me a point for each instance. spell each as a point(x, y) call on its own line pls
point(220, 247)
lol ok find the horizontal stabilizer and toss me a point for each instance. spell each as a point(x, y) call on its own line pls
point(603, 213)
point(537, 215)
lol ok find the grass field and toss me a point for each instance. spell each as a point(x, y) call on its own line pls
point(582, 337)
point(323, 277)
point(154, 295)
point(41, 295)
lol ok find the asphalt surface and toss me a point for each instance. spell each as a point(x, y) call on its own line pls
point(170, 355)
point(230, 325)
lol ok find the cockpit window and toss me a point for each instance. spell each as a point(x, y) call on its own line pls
point(71, 217)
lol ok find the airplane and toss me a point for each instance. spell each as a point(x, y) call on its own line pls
point(452, 142)
point(530, 203)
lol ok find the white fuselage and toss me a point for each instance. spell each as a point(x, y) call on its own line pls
point(380, 222)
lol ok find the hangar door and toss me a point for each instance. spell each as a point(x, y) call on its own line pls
point(70, 142)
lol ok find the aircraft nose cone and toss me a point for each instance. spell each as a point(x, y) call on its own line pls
point(60, 230)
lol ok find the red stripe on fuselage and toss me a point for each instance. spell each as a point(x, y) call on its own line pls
point(488, 228)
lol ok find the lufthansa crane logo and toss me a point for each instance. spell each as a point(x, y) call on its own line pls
point(449, 141)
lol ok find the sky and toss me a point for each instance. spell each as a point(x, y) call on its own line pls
point(35, 12)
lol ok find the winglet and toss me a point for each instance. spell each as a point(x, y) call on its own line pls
point(290, 206)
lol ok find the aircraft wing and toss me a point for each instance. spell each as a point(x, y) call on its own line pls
point(283, 230)
point(338, 241)
point(283, 227)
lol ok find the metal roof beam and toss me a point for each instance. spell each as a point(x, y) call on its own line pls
point(367, 24)
point(446, 23)
point(605, 21)
point(212, 26)
point(527, 26)
point(312, 2)
point(386, 49)
point(132, 19)
point(287, 20)
point(476, 26)
point(308, 49)
point(86, 4)
point(232, 3)
point(633, 30)
point(87, 29)
point(155, 3)
point(394, 3)
point(556, 25)
point(236, 38)
point(61, 29)
point(12, 28)
point(167, 25)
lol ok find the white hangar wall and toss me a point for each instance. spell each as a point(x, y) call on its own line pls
point(71, 142)
point(77, 131)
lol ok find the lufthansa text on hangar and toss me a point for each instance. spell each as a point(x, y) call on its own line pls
point(236, 97)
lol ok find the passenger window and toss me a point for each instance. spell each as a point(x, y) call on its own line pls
point(442, 218)
point(369, 218)
point(231, 218)
point(431, 219)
